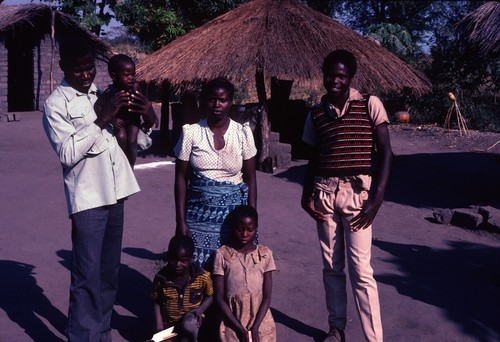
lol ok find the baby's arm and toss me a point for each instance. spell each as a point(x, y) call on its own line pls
point(150, 119)
point(158, 318)
point(226, 311)
point(267, 287)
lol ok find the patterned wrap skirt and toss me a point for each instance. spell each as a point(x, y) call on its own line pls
point(207, 205)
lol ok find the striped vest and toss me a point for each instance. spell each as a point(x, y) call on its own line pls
point(345, 144)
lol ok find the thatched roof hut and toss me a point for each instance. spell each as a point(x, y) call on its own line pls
point(481, 28)
point(30, 20)
point(29, 57)
point(288, 39)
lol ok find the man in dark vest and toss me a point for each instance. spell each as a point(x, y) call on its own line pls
point(346, 131)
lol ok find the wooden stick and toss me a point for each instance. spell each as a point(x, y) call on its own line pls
point(495, 144)
point(461, 121)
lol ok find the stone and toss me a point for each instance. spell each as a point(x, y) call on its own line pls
point(491, 218)
point(443, 216)
point(467, 218)
point(274, 136)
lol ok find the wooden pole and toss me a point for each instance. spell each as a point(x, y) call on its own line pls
point(265, 162)
point(52, 45)
point(165, 117)
point(261, 85)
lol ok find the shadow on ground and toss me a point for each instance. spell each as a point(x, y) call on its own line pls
point(463, 280)
point(445, 180)
point(143, 253)
point(136, 323)
point(298, 326)
point(26, 305)
point(436, 180)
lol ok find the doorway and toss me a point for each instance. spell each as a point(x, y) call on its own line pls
point(20, 86)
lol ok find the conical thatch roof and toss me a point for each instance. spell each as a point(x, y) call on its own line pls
point(16, 20)
point(288, 38)
point(482, 28)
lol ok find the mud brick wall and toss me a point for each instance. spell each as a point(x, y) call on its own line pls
point(3, 77)
point(41, 73)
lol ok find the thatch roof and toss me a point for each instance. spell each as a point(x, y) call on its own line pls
point(289, 39)
point(481, 28)
point(17, 20)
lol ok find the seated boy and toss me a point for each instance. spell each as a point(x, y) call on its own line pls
point(181, 291)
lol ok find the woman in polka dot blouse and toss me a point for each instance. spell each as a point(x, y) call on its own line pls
point(214, 172)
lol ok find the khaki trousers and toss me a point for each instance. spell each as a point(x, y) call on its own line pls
point(340, 199)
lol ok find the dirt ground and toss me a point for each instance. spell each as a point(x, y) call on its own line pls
point(436, 282)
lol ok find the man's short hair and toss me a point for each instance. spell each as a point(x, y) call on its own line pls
point(179, 242)
point(341, 56)
point(71, 48)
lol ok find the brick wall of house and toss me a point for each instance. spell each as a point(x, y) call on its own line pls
point(3, 77)
point(41, 74)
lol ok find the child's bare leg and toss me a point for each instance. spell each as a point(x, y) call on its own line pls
point(190, 327)
point(132, 132)
point(121, 137)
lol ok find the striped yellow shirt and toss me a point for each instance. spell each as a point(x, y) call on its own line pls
point(174, 301)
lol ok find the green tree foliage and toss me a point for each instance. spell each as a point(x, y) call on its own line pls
point(158, 22)
point(395, 38)
point(425, 21)
point(154, 22)
point(199, 12)
point(90, 13)
point(473, 80)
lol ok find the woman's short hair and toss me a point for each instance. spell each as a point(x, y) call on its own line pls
point(341, 56)
point(218, 83)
